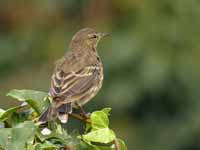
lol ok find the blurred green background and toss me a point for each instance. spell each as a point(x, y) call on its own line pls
point(151, 62)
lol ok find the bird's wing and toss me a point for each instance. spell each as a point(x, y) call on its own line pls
point(72, 86)
point(73, 62)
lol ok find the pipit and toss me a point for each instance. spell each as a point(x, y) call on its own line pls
point(77, 77)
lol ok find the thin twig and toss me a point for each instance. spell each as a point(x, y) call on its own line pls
point(79, 117)
point(116, 144)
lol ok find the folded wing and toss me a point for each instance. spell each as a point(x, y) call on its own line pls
point(71, 86)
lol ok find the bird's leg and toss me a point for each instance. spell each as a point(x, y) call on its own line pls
point(82, 111)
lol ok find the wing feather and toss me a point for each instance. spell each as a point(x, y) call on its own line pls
point(73, 85)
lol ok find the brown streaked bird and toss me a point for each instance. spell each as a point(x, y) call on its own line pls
point(77, 77)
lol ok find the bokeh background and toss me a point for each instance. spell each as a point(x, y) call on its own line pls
point(151, 61)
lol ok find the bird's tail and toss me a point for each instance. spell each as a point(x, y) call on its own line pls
point(52, 113)
point(63, 112)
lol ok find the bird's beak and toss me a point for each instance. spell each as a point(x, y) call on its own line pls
point(104, 34)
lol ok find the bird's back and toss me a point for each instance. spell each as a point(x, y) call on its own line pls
point(74, 61)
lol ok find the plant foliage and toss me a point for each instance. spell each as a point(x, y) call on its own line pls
point(20, 130)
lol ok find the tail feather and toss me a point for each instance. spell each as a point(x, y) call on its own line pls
point(65, 108)
point(52, 113)
point(43, 117)
point(49, 115)
point(63, 111)
point(63, 118)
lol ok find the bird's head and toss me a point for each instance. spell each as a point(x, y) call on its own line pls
point(87, 37)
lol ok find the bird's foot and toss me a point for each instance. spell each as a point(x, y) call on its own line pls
point(86, 115)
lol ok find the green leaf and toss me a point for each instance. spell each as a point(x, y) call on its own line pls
point(104, 135)
point(1, 111)
point(83, 146)
point(36, 99)
point(107, 110)
point(86, 146)
point(30, 147)
point(122, 144)
point(5, 137)
point(6, 114)
point(87, 127)
point(46, 146)
point(99, 119)
point(15, 138)
point(58, 135)
point(18, 117)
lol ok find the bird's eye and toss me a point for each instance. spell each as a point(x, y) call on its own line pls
point(93, 36)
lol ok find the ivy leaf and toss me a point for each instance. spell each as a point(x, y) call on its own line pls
point(122, 144)
point(5, 137)
point(36, 99)
point(15, 138)
point(30, 147)
point(99, 119)
point(107, 111)
point(83, 146)
point(18, 117)
point(104, 135)
point(4, 115)
point(86, 146)
point(87, 127)
point(58, 135)
point(1, 111)
point(46, 146)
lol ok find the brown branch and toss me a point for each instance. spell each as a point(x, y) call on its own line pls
point(69, 148)
point(79, 117)
point(117, 144)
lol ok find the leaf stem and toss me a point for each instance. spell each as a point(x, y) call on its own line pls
point(116, 144)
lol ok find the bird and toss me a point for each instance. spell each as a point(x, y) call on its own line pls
point(77, 77)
